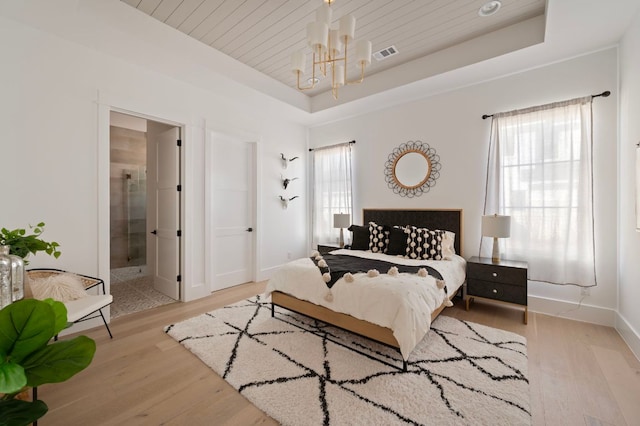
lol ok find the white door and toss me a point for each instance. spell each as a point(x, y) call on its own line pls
point(233, 186)
point(163, 207)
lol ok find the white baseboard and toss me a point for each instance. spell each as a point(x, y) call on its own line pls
point(572, 310)
point(629, 335)
point(266, 273)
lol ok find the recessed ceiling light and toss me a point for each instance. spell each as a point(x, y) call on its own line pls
point(312, 80)
point(489, 8)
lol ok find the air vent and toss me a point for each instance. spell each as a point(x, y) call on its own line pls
point(385, 53)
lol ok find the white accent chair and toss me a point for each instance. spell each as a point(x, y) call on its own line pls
point(85, 308)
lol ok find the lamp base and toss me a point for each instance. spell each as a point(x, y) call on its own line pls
point(495, 257)
point(341, 241)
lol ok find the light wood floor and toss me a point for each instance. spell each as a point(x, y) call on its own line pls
point(580, 374)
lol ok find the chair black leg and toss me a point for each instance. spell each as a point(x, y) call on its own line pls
point(34, 397)
point(105, 323)
point(273, 310)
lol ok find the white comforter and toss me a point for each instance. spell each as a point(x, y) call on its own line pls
point(402, 303)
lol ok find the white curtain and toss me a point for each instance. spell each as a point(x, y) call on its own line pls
point(331, 191)
point(540, 174)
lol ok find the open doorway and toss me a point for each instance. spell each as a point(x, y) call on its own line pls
point(133, 216)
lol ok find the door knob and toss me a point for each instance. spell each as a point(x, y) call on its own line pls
point(249, 229)
point(154, 232)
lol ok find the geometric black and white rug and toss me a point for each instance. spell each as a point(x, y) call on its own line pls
point(303, 372)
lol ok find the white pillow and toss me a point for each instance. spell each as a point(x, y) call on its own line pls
point(448, 247)
point(63, 287)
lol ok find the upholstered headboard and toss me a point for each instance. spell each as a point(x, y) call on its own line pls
point(445, 219)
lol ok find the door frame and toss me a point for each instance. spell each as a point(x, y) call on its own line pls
point(209, 226)
point(104, 202)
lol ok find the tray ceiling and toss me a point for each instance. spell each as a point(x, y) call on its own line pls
point(263, 33)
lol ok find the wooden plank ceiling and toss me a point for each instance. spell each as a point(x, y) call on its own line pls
point(263, 33)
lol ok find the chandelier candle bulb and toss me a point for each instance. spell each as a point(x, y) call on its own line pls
point(363, 52)
point(347, 27)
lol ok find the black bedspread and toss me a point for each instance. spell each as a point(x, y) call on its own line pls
point(338, 265)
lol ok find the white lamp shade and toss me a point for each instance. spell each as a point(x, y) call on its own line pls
point(363, 52)
point(334, 42)
point(298, 61)
point(496, 226)
point(339, 76)
point(347, 27)
point(341, 220)
point(317, 34)
point(323, 14)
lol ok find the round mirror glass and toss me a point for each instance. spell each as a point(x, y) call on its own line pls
point(412, 169)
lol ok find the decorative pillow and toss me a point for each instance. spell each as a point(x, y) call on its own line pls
point(63, 287)
point(378, 238)
point(397, 241)
point(448, 248)
point(359, 237)
point(423, 243)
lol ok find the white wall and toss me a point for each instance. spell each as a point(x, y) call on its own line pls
point(628, 321)
point(451, 123)
point(54, 111)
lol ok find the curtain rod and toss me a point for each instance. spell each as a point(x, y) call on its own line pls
point(603, 94)
point(331, 146)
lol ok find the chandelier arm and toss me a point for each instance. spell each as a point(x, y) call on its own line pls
point(361, 76)
point(321, 62)
point(313, 76)
point(306, 87)
point(346, 39)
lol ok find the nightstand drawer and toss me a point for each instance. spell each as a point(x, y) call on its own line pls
point(498, 291)
point(497, 274)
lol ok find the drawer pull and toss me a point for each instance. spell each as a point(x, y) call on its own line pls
point(495, 291)
point(495, 274)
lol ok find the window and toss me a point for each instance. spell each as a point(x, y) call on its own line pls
point(331, 190)
point(540, 174)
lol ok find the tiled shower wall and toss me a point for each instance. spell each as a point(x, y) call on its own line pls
point(128, 197)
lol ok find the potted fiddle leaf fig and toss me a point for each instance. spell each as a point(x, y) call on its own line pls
point(29, 358)
point(22, 243)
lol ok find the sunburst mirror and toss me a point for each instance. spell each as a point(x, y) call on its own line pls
point(412, 169)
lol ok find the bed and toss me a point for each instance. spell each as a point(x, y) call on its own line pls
point(365, 304)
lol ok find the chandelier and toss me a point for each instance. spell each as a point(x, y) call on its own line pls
point(327, 46)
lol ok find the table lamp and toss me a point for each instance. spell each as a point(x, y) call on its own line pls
point(496, 226)
point(341, 220)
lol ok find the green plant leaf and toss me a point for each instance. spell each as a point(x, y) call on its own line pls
point(25, 326)
point(60, 313)
point(12, 376)
point(22, 244)
point(21, 413)
point(59, 361)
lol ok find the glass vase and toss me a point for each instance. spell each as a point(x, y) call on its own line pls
point(17, 278)
point(5, 277)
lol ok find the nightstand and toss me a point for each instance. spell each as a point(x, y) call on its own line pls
point(504, 281)
point(326, 248)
